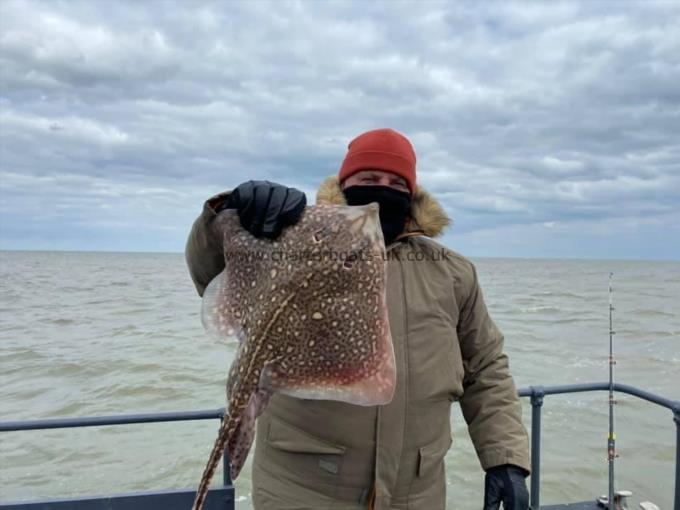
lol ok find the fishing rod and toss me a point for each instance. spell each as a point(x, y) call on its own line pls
point(611, 501)
point(615, 500)
point(611, 439)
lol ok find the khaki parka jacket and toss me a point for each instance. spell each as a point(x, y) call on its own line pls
point(318, 454)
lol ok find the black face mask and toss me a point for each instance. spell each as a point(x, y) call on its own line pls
point(395, 206)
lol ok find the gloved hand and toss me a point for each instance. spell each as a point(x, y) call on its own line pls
point(264, 207)
point(506, 484)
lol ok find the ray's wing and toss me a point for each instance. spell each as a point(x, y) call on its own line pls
point(331, 364)
point(217, 314)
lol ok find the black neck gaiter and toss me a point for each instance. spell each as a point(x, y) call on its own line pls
point(395, 206)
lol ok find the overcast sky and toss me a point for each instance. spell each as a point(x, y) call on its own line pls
point(545, 129)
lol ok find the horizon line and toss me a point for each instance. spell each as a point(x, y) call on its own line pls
point(140, 252)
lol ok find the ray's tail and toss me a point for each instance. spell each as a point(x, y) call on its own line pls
point(213, 462)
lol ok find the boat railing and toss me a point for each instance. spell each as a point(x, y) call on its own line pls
point(223, 497)
point(538, 393)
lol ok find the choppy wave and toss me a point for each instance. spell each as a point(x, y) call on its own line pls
point(540, 309)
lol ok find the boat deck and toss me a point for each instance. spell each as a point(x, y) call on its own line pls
point(218, 499)
point(221, 498)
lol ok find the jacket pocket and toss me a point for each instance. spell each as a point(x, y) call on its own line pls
point(303, 458)
point(431, 456)
point(291, 439)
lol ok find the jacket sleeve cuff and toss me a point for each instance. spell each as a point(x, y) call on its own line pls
point(215, 204)
point(203, 250)
point(497, 457)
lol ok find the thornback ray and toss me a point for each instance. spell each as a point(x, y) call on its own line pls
point(309, 311)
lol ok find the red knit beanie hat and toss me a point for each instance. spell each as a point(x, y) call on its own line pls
point(382, 149)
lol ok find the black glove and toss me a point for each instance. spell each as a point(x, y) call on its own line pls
point(264, 207)
point(506, 484)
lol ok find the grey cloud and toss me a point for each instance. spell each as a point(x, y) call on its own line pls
point(522, 114)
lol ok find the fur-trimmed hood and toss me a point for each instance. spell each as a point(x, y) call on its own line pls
point(427, 216)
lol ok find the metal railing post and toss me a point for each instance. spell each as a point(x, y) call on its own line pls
point(676, 419)
point(226, 476)
point(226, 467)
point(537, 394)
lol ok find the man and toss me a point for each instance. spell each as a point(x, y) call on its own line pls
point(317, 454)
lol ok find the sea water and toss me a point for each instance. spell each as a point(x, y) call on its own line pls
point(89, 334)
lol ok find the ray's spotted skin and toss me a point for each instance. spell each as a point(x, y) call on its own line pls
point(310, 313)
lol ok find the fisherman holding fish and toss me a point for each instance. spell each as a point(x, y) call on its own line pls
point(315, 454)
